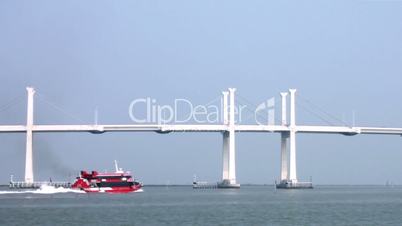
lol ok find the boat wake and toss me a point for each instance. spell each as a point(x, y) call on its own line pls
point(44, 189)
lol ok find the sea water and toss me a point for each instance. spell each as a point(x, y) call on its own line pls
point(250, 205)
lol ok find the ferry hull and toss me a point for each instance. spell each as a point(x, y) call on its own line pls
point(112, 190)
point(116, 182)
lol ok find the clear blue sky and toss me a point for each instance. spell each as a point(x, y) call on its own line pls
point(342, 55)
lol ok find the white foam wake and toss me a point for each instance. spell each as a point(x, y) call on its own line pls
point(45, 189)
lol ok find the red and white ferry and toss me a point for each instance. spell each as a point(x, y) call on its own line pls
point(117, 182)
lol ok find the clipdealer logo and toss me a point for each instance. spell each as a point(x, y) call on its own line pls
point(148, 110)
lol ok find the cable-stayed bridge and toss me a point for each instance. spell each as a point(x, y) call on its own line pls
point(287, 127)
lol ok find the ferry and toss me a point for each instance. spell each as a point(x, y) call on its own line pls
point(117, 182)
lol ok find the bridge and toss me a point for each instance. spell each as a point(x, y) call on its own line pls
point(228, 128)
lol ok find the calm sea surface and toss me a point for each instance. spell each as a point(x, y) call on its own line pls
point(251, 205)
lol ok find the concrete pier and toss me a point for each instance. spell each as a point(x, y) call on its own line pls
point(288, 176)
point(228, 149)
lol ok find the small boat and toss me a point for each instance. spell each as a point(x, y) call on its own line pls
point(117, 182)
point(202, 184)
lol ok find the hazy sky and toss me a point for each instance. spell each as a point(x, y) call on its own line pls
point(344, 56)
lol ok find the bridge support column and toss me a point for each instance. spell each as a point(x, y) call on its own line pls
point(284, 142)
point(284, 156)
point(292, 144)
point(29, 178)
point(225, 148)
point(288, 147)
point(229, 160)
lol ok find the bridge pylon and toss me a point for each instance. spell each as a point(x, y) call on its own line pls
point(229, 145)
point(29, 177)
point(288, 175)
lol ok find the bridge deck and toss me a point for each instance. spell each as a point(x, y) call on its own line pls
point(201, 128)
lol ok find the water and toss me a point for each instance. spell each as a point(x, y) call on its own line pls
point(251, 205)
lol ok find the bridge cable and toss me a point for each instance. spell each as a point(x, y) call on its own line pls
point(60, 109)
point(11, 103)
point(315, 114)
point(213, 100)
point(259, 114)
point(209, 103)
point(322, 110)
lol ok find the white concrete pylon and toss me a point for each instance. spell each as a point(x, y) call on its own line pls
point(225, 108)
point(225, 148)
point(284, 156)
point(225, 156)
point(232, 107)
point(284, 141)
point(292, 137)
point(232, 159)
point(29, 178)
point(292, 107)
point(292, 157)
point(228, 156)
point(284, 106)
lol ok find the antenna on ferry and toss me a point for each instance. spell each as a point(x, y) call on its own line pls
point(116, 166)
